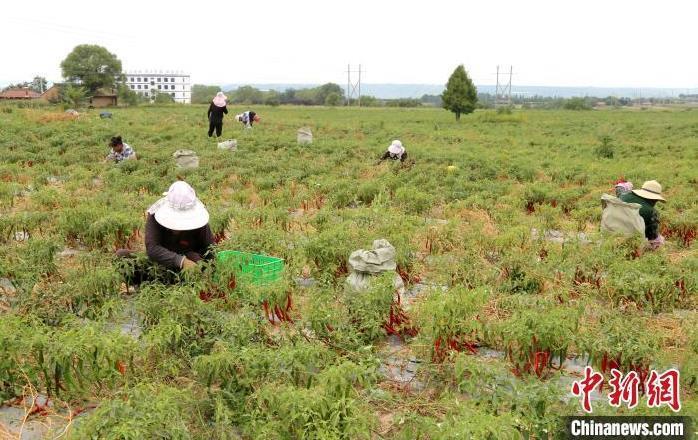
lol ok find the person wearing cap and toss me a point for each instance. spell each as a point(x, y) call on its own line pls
point(395, 152)
point(177, 233)
point(215, 114)
point(247, 118)
point(119, 150)
point(647, 197)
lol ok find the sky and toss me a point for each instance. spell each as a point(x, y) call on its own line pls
point(601, 43)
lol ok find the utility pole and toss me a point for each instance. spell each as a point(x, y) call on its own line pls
point(353, 88)
point(502, 91)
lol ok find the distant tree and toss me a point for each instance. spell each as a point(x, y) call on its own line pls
point(322, 92)
point(577, 104)
point(460, 96)
point(288, 96)
point(434, 100)
point(272, 98)
point(39, 84)
point(247, 95)
point(73, 94)
point(92, 67)
point(128, 96)
point(333, 99)
point(163, 98)
point(202, 94)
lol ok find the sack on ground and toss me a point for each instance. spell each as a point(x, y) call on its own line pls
point(230, 144)
point(186, 159)
point(379, 259)
point(621, 217)
point(361, 281)
point(304, 136)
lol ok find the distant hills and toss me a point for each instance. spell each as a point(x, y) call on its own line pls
point(395, 91)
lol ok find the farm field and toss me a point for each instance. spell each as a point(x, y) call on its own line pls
point(510, 289)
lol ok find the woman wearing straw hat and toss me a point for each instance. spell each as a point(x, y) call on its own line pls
point(215, 114)
point(177, 234)
point(395, 152)
point(647, 197)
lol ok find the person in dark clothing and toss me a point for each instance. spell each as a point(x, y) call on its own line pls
point(647, 197)
point(177, 237)
point(215, 114)
point(395, 152)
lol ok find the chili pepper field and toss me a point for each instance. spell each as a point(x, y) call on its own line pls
point(510, 288)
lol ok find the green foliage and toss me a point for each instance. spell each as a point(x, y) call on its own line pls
point(64, 363)
point(163, 98)
point(128, 96)
point(146, 411)
point(333, 99)
point(460, 96)
point(577, 104)
point(620, 338)
point(368, 310)
point(605, 148)
point(461, 217)
point(73, 95)
point(536, 338)
point(92, 66)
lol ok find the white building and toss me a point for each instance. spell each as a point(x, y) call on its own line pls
point(149, 83)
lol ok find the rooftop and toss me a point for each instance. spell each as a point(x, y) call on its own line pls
point(19, 94)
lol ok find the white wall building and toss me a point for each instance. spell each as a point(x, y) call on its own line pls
point(148, 83)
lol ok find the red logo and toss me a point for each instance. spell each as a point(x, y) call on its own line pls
point(664, 389)
point(661, 389)
point(586, 386)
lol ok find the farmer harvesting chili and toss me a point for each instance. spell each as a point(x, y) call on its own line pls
point(248, 118)
point(215, 114)
point(647, 197)
point(395, 152)
point(177, 234)
point(119, 150)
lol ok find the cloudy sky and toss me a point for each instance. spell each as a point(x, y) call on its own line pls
point(632, 43)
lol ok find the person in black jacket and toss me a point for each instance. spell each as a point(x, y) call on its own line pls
point(177, 235)
point(215, 114)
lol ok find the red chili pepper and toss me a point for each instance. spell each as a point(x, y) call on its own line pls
point(121, 367)
point(267, 315)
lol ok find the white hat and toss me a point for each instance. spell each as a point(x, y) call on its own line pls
point(651, 190)
point(396, 147)
point(180, 210)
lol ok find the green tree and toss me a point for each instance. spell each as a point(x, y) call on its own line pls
point(202, 94)
point(325, 90)
point(128, 96)
point(272, 98)
point(73, 94)
point(91, 66)
point(460, 96)
point(39, 84)
point(163, 98)
point(333, 99)
point(247, 95)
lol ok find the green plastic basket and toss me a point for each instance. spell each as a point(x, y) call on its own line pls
point(252, 268)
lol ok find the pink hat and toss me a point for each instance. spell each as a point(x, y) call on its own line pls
point(220, 100)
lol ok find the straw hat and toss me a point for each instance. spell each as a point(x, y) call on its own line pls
point(220, 100)
point(180, 210)
point(650, 190)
